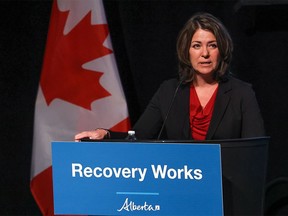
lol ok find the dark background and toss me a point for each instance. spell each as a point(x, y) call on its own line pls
point(144, 36)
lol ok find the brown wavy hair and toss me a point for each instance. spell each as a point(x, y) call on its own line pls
point(210, 23)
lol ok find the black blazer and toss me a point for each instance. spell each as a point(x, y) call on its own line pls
point(236, 113)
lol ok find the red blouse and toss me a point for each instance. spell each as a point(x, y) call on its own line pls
point(200, 117)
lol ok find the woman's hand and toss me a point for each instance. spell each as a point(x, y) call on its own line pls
point(93, 134)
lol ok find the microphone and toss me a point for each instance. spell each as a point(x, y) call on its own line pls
point(171, 104)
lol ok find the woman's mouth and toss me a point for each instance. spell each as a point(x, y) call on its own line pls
point(205, 63)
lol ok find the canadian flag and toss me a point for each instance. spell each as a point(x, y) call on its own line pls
point(79, 89)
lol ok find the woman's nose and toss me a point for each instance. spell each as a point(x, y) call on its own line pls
point(205, 52)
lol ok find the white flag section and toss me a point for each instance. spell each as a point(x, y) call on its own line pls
point(79, 90)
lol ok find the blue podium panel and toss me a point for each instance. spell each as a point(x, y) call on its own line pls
point(136, 178)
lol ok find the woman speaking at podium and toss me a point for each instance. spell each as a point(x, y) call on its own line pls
point(206, 102)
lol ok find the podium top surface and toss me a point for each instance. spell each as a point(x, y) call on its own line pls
point(225, 143)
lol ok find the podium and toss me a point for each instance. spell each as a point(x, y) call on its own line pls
point(244, 166)
point(160, 177)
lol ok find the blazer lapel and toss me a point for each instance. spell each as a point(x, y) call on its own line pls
point(222, 100)
point(183, 113)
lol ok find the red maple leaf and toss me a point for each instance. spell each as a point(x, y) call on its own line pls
point(62, 74)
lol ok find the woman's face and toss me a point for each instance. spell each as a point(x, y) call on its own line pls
point(204, 53)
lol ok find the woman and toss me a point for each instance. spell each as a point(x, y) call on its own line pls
point(206, 102)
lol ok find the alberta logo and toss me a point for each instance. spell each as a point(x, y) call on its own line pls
point(131, 206)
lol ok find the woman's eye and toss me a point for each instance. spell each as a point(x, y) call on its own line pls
point(213, 45)
point(196, 46)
